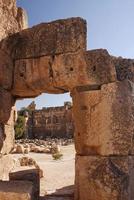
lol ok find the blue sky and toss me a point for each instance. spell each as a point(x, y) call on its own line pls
point(110, 25)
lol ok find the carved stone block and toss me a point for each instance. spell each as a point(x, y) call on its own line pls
point(16, 190)
point(104, 120)
point(104, 178)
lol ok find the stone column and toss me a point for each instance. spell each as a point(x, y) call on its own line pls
point(104, 141)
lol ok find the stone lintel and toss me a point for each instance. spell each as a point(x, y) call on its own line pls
point(57, 37)
point(62, 73)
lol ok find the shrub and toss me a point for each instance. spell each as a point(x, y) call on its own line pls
point(57, 156)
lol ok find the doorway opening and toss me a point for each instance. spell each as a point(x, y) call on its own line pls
point(48, 138)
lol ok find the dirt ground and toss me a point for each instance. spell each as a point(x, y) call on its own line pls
point(58, 175)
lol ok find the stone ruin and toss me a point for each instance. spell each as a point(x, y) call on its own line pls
point(52, 58)
point(51, 122)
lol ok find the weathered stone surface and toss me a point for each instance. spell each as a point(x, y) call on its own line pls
point(124, 68)
point(104, 120)
point(100, 67)
point(11, 22)
point(103, 178)
point(52, 58)
point(57, 37)
point(6, 70)
point(6, 123)
point(16, 190)
point(62, 73)
point(8, 142)
point(11, 18)
point(6, 103)
point(31, 175)
point(6, 165)
point(44, 74)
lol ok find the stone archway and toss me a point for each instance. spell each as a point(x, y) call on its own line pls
point(52, 58)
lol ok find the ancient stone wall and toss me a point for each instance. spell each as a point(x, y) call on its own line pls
point(104, 139)
point(52, 58)
point(51, 122)
point(12, 20)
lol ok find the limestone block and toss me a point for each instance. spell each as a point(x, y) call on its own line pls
point(6, 103)
point(28, 175)
point(61, 36)
point(11, 18)
point(104, 120)
point(6, 165)
point(6, 70)
point(6, 126)
point(44, 74)
point(124, 68)
point(16, 190)
point(8, 142)
point(104, 178)
point(83, 68)
point(100, 67)
point(22, 18)
point(62, 72)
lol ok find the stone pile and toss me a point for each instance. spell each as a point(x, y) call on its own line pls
point(30, 162)
point(40, 146)
point(48, 141)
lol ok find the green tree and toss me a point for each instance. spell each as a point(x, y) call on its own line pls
point(19, 127)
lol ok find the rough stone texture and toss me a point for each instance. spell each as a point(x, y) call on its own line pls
point(100, 67)
point(6, 103)
point(104, 120)
point(57, 37)
point(124, 68)
point(103, 178)
point(6, 121)
point(46, 74)
point(16, 190)
point(62, 73)
point(51, 122)
point(6, 165)
point(12, 18)
point(8, 142)
point(31, 175)
point(52, 58)
point(6, 69)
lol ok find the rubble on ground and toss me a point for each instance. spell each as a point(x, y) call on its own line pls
point(27, 161)
point(24, 146)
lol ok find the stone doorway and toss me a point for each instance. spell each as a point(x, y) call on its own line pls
point(52, 58)
point(58, 180)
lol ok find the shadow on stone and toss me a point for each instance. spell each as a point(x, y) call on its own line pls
point(65, 193)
